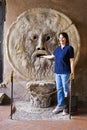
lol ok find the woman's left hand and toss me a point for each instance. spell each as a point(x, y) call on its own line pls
point(72, 76)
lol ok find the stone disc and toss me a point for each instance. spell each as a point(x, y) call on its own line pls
point(34, 29)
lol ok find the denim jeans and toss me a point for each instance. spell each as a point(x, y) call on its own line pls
point(62, 85)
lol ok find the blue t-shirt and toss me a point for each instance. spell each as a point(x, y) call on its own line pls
point(62, 59)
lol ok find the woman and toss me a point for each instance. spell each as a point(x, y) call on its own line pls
point(63, 68)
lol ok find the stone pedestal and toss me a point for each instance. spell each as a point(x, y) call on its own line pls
point(41, 93)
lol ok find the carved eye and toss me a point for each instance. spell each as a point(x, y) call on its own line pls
point(48, 38)
point(35, 37)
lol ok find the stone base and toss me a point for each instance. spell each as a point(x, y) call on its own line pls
point(24, 111)
point(41, 93)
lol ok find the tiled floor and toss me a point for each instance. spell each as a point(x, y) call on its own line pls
point(78, 122)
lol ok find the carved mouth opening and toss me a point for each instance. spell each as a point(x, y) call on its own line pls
point(38, 55)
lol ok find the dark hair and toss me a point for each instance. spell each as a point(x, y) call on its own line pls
point(66, 36)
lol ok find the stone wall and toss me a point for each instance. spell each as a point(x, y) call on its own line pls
point(76, 11)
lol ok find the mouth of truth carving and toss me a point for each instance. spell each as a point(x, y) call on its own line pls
point(35, 33)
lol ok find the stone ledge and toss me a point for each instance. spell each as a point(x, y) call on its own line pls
point(24, 111)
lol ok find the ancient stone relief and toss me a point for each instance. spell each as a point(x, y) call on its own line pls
point(35, 33)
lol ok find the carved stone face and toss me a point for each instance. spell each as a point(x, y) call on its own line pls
point(40, 41)
point(34, 34)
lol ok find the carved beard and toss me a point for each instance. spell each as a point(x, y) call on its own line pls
point(39, 66)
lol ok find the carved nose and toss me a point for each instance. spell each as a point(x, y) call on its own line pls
point(39, 48)
point(40, 45)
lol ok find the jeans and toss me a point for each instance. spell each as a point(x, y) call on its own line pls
point(62, 85)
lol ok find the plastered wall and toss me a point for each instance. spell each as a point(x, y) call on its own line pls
point(76, 11)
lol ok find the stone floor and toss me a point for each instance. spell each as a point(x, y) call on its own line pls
point(77, 122)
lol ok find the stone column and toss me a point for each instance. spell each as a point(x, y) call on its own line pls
point(41, 93)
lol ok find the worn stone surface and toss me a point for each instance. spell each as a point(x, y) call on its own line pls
point(3, 85)
point(24, 111)
point(41, 93)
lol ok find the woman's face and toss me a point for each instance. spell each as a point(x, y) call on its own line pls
point(62, 39)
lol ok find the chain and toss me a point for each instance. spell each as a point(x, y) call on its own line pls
point(40, 95)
